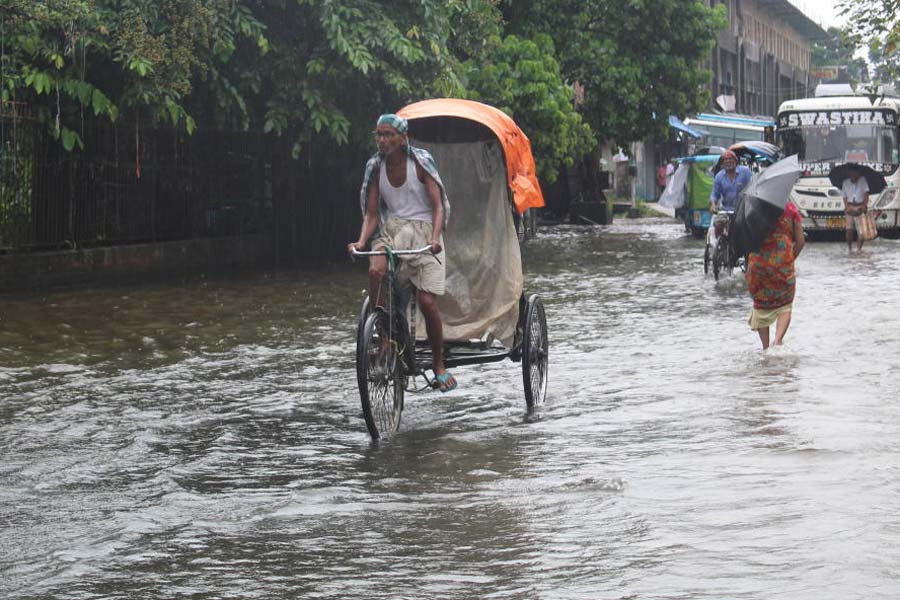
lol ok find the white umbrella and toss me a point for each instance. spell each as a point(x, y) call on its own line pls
point(774, 184)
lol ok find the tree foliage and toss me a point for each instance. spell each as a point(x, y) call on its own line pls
point(639, 61)
point(108, 58)
point(304, 70)
point(522, 78)
point(837, 49)
point(876, 26)
point(332, 65)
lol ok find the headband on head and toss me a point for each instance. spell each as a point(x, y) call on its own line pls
point(395, 121)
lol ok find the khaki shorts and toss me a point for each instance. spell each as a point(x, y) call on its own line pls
point(426, 273)
point(762, 317)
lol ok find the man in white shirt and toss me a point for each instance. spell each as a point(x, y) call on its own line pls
point(856, 202)
point(402, 185)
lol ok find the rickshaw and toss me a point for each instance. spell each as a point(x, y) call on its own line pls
point(486, 165)
point(698, 186)
point(702, 169)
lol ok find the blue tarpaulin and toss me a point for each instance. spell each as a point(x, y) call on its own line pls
point(678, 124)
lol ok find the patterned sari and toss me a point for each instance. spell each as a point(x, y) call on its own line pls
point(770, 271)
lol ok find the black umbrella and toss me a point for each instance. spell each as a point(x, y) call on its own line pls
point(760, 205)
point(875, 179)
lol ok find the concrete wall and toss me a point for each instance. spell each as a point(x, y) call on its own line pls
point(19, 272)
point(763, 57)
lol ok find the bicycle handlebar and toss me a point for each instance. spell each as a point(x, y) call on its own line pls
point(422, 250)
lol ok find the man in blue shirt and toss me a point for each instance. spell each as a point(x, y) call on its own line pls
point(728, 184)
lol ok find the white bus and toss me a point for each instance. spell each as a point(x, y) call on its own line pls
point(836, 126)
point(724, 130)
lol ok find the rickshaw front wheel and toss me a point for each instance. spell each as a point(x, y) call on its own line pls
point(380, 376)
point(722, 259)
point(535, 355)
point(361, 321)
point(707, 258)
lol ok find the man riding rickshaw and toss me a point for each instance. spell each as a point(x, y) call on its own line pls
point(487, 172)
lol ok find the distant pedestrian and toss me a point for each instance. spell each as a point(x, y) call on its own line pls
point(771, 278)
point(660, 180)
point(855, 190)
point(670, 170)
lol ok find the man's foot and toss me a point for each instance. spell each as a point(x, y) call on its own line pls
point(445, 382)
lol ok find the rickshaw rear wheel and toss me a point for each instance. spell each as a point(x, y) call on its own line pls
point(707, 258)
point(535, 353)
point(380, 376)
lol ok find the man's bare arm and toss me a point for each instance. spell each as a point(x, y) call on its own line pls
point(370, 218)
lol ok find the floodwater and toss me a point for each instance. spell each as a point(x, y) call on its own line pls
point(204, 440)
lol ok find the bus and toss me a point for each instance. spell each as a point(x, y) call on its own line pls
point(841, 124)
point(724, 130)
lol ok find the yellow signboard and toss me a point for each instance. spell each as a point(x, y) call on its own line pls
point(824, 72)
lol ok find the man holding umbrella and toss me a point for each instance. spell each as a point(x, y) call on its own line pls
point(856, 202)
point(856, 182)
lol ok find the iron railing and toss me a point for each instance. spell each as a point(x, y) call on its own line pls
point(130, 184)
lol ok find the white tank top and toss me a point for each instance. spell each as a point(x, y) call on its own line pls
point(410, 200)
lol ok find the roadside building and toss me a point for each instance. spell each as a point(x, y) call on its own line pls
point(760, 60)
point(763, 57)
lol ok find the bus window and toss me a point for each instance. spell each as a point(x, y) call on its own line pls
point(792, 142)
point(835, 144)
point(859, 143)
point(887, 143)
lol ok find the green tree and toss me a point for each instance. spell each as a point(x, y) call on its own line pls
point(885, 68)
point(875, 26)
point(332, 66)
point(637, 66)
point(106, 58)
point(838, 49)
point(522, 78)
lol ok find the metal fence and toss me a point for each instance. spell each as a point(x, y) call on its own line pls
point(131, 184)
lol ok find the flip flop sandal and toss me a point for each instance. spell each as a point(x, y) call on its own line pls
point(445, 382)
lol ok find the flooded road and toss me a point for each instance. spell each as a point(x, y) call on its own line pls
point(204, 440)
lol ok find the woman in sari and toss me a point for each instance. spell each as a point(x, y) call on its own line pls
point(771, 278)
